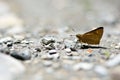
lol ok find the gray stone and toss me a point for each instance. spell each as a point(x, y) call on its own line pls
point(52, 52)
point(26, 42)
point(48, 40)
point(22, 55)
point(9, 44)
point(55, 56)
point(50, 46)
point(50, 57)
point(38, 49)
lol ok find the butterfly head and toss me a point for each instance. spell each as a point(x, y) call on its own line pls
point(79, 36)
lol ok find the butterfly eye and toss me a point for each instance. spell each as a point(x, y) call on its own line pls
point(78, 35)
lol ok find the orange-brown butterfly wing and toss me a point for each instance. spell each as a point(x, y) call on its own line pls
point(93, 37)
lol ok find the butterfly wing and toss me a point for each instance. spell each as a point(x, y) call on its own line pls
point(93, 37)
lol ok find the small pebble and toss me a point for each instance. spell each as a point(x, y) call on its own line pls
point(38, 49)
point(55, 56)
point(50, 57)
point(48, 40)
point(26, 42)
point(50, 46)
point(17, 41)
point(52, 52)
point(22, 55)
point(5, 40)
point(89, 51)
point(69, 54)
point(117, 46)
point(68, 50)
point(9, 44)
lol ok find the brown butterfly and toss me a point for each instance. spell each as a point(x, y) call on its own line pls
point(91, 37)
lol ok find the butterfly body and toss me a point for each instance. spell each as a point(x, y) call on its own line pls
point(91, 37)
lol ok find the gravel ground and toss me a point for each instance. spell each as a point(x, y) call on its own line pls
point(35, 51)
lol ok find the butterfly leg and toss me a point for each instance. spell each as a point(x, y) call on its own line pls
point(81, 45)
point(76, 44)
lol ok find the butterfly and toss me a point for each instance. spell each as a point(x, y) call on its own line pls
point(92, 37)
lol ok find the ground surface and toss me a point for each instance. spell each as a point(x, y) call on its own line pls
point(36, 41)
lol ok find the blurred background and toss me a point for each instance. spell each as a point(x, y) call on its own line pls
point(27, 22)
point(75, 14)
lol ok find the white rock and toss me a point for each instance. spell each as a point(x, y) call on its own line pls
point(52, 51)
point(50, 57)
point(55, 56)
point(83, 66)
point(117, 46)
point(48, 39)
point(102, 71)
point(5, 39)
point(10, 67)
point(26, 42)
point(68, 50)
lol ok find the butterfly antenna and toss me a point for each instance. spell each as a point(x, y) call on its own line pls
point(72, 35)
point(72, 30)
